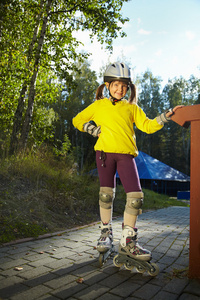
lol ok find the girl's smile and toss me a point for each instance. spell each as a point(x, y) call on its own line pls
point(118, 89)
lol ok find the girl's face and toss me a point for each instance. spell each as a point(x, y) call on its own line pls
point(117, 89)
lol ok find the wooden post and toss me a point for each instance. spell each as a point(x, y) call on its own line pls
point(186, 116)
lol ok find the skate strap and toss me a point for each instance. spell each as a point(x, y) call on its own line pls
point(105, 233)
point(128, 240)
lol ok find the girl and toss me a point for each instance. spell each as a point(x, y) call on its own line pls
point(115, 150)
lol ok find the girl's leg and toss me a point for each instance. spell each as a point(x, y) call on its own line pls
point(129, 177)
point(130, 220)
point(106, 213)
point(106, 170)
point(128, 173)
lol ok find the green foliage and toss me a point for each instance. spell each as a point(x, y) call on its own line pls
point(150, 100)
point(46, 193)
point(37, 38)
point(68, 105)
point(66, 145)
point(170, 145)
point(177, 149)
point(154, 200)
point(150, 94)
point(11, 230)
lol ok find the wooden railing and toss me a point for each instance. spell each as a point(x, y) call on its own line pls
point(190, 116)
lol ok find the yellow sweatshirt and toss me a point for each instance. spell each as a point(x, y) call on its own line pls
point(116, 121)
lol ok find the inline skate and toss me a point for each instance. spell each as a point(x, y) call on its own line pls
point(105, 245)
point(131, 254)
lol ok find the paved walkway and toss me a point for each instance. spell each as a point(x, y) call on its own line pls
point(66, 266)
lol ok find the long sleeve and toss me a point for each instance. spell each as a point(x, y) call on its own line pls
point(116, 122)
point(84, 116)
point(145, 124)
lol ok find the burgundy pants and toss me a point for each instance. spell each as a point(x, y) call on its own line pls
point(108, 163)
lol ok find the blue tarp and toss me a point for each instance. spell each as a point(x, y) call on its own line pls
point(151, 168)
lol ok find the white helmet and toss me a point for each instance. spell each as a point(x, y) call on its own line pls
point(117, 71)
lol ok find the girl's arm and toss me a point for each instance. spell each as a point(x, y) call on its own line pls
point(166, 116)
point(83, 121)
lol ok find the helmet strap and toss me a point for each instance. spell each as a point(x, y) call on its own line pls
point(114, 100)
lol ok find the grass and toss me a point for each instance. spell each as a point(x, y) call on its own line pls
point(152, 200)
point(42, 194)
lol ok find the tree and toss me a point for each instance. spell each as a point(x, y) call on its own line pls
point(41, 35)
point(150, 100)
point(180, 92)
point(70, 103)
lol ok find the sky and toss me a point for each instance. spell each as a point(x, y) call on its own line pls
point(163, 36)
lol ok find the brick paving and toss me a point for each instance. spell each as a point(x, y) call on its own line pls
point(52, 268)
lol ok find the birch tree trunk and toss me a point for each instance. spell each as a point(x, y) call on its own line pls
point(17, 123)
point(31, 97)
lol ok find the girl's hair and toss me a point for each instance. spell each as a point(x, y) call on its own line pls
point(132, 98)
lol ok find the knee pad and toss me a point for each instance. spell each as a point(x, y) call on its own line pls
point(106, 197)
point(134, 201)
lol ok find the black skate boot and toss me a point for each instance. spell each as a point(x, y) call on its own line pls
point(131, 254)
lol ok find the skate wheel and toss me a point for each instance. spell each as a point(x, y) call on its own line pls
point(154, 270)
point(140, 269)
point(128, 266)
point(116, 262)
point(101, 260)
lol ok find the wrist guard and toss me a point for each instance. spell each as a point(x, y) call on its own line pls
point(162, 119)
point(91, 129)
